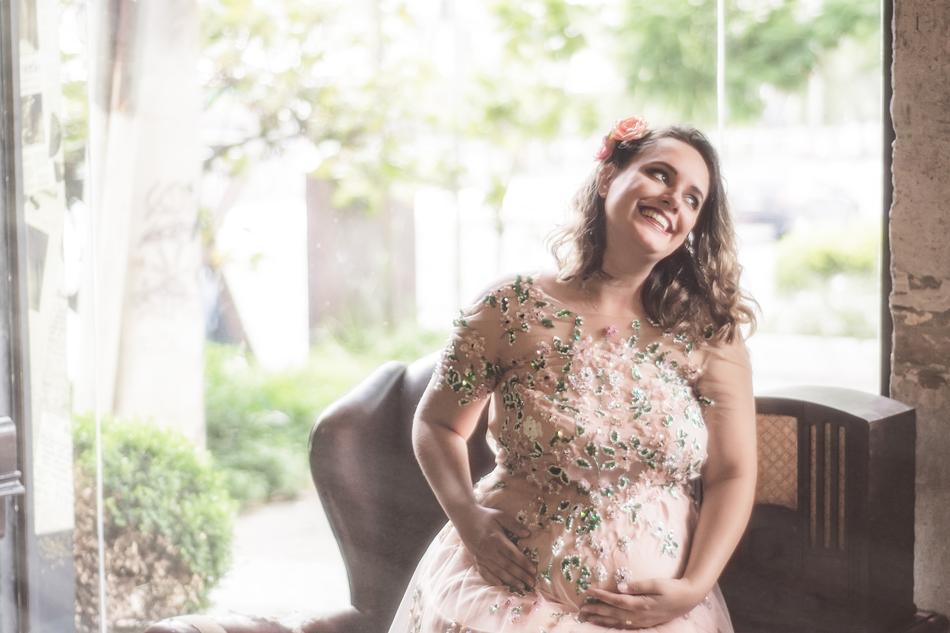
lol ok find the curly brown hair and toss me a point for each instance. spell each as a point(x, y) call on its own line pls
point(698, 294)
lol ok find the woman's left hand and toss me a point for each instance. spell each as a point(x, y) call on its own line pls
point(644, 603)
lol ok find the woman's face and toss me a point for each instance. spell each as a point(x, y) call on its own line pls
point(654, 202)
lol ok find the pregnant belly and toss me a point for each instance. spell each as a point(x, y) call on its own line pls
point(580, 543)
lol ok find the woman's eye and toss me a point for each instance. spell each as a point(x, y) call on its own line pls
point(693, 201)
point(661, 175)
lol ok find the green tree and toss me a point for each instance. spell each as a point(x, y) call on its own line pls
point(313, 71)
point(518, 97)
point(368, 103)
point(327, 74)
point(667, 50)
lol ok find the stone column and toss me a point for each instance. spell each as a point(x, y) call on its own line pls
point(920, 269)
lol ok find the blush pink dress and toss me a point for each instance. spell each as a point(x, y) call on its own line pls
point(599, 428)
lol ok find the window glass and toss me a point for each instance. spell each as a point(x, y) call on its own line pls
point(802, 152)
point(235, 211)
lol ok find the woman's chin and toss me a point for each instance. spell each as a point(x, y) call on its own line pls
point(653, 243)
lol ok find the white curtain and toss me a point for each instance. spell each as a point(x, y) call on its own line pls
point(142, 324)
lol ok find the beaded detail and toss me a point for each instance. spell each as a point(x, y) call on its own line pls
point(599, 432)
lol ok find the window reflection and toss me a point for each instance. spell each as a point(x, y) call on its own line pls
point(235, 211)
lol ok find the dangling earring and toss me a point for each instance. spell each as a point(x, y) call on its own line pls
point(689, 244)
point(603, 182)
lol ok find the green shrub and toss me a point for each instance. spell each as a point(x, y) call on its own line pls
point(809, 260)
point(257, 425)
point(168, 523)
point(259, 422)
point(827, 282)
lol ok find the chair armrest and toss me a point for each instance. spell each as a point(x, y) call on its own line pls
point(346, 621)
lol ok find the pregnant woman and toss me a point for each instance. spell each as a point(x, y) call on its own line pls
point(613, 383)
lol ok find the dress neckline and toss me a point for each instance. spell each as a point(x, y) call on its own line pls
point(533, 278)
point(687, 371)
point(611, 326)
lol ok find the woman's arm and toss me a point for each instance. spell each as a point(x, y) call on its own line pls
point(440, 445)
point(446, 417)
point(439, 441)
point(729, 475)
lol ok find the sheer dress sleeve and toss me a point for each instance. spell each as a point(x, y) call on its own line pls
point(724, 387)
point(469, 366)
point(725, 377)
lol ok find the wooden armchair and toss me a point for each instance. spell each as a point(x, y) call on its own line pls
point(829, 547)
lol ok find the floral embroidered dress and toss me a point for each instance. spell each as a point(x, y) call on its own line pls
point(599, 429)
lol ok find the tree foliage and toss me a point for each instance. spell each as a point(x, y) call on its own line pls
point(530, 102)
point(363, 92)
point(668, 49)
point(322, 73)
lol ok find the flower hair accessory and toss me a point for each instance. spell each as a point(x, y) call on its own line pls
point(629, 129)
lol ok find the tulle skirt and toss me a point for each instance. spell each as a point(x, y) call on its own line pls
point(447, 595)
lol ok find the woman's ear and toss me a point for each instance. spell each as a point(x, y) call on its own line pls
point(604, 178)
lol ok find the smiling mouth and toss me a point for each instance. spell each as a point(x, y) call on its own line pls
point(655, 217)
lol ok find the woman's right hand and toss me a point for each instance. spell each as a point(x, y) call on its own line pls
point(497, 557)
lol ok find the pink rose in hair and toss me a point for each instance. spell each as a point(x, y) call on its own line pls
point(629, 129)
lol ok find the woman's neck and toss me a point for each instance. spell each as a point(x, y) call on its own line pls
point(617, 289)
point(616, 295)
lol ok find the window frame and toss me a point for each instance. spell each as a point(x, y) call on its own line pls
point(18, 546)
point(887, 160)
point(14, 327)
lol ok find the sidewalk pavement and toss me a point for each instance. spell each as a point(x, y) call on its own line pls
point(285, 561)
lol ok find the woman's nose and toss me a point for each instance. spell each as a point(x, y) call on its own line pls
point(668, 201)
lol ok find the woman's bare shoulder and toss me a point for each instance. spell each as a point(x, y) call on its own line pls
point(503, 285)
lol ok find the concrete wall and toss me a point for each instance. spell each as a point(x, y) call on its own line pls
point(377, 253)
point(920, 268)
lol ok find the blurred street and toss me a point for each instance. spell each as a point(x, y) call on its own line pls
point(285, 560)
